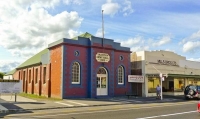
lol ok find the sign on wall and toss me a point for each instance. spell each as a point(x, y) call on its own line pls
point(136, 78)
point(102, 57)
point(10, 86)
point(167, 62)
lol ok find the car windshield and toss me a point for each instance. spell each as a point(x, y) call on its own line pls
point(198, 87)
point(193, 87)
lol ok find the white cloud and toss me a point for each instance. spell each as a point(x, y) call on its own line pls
point(191, 43)
point(139, 48)
point(128, 8)
point(27, 27)
point(77, 2)
point(194, 59)
point(132, 41)
point(99, 32)
point(6, 66)
point(164, 40)
point(110, 8)
point(136, 44)
point(193, 37)
point(191, 46)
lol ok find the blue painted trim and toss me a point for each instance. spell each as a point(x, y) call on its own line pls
point(70, 77)
point(121, 85)
point(62, 74)
point(64, 70)
point(89, 72)
point(112, 76)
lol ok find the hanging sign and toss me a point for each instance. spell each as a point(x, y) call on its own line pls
point(102, 57)
point(136, 78)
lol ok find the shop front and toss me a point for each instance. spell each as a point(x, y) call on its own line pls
point(172, 85)
point(178, 72)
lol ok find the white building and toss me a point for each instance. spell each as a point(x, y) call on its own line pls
point(9, 75)
point(180, 72)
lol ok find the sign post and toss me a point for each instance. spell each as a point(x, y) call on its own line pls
point(161, 78)
point(11, 86)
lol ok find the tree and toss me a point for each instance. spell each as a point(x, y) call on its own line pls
point(1, 75)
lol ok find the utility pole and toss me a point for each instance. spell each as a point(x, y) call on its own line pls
point(102, 30)
point(161, 75)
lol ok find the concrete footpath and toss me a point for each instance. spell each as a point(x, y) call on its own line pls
point(8, 104)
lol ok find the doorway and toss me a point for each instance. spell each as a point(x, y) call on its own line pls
point(171, 85)
point(102, 82)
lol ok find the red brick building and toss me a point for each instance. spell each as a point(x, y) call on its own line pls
point(83, 67)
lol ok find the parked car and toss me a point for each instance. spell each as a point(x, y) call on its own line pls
point(192, 92)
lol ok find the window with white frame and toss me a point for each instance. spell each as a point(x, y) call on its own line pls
point(76, 73)
point(120, 75)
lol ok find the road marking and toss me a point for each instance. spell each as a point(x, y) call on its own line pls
point(124, 100)
point(142, 106)
point(64, 104)
point(167, 115)
point(78, 103)
point(103, 111)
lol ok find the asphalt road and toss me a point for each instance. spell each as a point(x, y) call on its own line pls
point(186, 110)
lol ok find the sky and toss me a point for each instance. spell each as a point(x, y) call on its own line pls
point(28, 26)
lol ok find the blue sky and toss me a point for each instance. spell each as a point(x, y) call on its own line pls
point(26, 27)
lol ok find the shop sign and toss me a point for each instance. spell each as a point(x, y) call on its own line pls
point(102, 57)
point(167, 62)
point(136, 78)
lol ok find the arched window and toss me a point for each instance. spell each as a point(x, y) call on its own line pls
point(120, 75)
point(76, 73)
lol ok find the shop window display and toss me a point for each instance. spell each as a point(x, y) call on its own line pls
point(152, 84)
point(179, 85)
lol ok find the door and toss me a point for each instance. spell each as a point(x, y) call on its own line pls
point(102, 88)
point(171, 85)
point(102, 83)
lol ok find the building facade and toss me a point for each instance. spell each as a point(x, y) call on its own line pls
point(83, 67)
point(178, 72)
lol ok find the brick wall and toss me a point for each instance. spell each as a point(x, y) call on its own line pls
point(69, 89)
point(121, 89)
point(56, 62)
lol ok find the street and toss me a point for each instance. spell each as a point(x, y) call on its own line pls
point(179, 110)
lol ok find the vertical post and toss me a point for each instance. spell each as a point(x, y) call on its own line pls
point(15, 97)
point(102, 30)
point(161, 96)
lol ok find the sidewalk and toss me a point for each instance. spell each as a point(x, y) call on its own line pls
point(7, 104)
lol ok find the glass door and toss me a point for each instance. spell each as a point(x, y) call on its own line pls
point(102, 85)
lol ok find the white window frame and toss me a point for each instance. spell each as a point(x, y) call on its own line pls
point(76, 75)
point(120, 75)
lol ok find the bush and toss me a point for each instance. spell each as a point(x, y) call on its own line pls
point(1, 75)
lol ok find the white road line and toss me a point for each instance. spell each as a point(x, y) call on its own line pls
point(44, 116)
point(167, 115)
point(124, 100)
point(64, 104)
point(78, 103)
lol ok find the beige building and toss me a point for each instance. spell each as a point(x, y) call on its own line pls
point(178, 71)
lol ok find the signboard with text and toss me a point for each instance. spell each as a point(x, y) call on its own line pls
point(102, 57)
point(10, 86)
point(136, 78)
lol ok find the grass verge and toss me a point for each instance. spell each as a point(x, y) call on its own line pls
point(37, 97)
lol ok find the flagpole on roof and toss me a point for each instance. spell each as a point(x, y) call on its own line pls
point(102, 29)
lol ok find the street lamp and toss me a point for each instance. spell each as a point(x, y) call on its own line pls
point(161, 80)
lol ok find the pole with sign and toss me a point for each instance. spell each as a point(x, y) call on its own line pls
point(161, 79)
